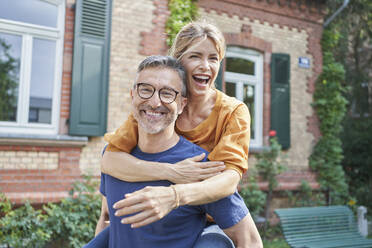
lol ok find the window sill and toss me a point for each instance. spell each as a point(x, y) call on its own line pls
point(43, 140)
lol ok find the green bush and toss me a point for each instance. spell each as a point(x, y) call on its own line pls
point(181, 13)
point(357, 162)
point(23, 226)
point(330, 106)
point(71, 223)
point(253, 197)
point(305, 197)
point(269, 165)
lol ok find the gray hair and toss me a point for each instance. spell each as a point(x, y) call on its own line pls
point(159, 61)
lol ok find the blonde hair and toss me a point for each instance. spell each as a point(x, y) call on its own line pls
point(195, 30)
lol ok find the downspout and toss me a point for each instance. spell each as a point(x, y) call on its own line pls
point(328, 21)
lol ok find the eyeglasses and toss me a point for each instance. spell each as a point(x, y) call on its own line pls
point(166, 95)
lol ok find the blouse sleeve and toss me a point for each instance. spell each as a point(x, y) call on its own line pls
point(233, 146)
point(125, 138)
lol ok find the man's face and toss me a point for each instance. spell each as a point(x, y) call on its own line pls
point(152, 114)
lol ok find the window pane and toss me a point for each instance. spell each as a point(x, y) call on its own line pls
point(42, 81)
point(240, 65)
point(29, 11)
point(249, 101)
point(231, 89)
point(10, 60)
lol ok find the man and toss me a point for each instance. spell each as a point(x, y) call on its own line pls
point(158, 97)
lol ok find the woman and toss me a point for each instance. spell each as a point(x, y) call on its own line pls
point(211, 119)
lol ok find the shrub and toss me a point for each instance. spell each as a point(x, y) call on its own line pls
point(305, 197)
point(253, 197)
point(357, 162)
point(269, 165)
point(71, 223)
point(23, 226)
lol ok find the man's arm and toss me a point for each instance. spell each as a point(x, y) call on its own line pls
point(245, 234)
point(103, 220)
point(130, 169)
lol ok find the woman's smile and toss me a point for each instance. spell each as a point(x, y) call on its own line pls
point(202, 64)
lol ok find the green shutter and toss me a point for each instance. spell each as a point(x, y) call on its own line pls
point(280, 98)
point(90, 75)
point(219, 79)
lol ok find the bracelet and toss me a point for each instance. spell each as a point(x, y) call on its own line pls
point(176, 196)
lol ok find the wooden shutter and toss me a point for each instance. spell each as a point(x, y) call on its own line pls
point(280, 98)
point(90, 75)
point(219, 79)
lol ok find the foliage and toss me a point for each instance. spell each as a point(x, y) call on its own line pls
point(269, 165)
point(330, 106)
point(8, 83)
point(22, 227)
point(355, 54)
point(253, 197)
point(276, 243)
point(181, 13)
point(70, 223)
point(305, 197)
point(74, 219)
point(357, 162)
point(274, 238)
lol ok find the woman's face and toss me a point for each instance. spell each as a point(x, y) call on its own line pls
point(202, 64)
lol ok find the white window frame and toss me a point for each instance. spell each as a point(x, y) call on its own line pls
point(29, 31)
point(255, 80)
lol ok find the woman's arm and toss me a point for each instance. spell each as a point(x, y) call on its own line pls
point(153, 203)
point(103, 220)
point(117, 161)
point(128, 168)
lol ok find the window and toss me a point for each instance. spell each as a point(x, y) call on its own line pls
point(31, 44)
point(243, 78)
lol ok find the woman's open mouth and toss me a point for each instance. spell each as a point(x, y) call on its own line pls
point(202, 80)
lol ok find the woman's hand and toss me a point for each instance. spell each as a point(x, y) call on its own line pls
point(148, 204)
point(191, 170)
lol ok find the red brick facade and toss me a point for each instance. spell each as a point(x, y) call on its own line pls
point(67, 68)
point(40, 186)
point(45, 185)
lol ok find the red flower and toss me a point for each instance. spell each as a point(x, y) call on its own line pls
point(272, 133)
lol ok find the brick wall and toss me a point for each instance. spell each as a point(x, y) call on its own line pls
point(39, 174)
point(45, 173)
point(67, 67)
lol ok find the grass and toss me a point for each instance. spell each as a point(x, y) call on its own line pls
point(273, 238)
point(276, 243)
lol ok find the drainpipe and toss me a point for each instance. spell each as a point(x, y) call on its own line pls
point(328, 21)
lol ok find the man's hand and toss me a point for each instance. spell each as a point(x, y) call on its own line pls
point(191, 170)
point(150, 204)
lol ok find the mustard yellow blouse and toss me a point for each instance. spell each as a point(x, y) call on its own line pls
point(225, 134)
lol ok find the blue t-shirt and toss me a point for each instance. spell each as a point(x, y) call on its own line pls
point(182, 226)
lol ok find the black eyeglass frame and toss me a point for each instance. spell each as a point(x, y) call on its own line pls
point(153, 92)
